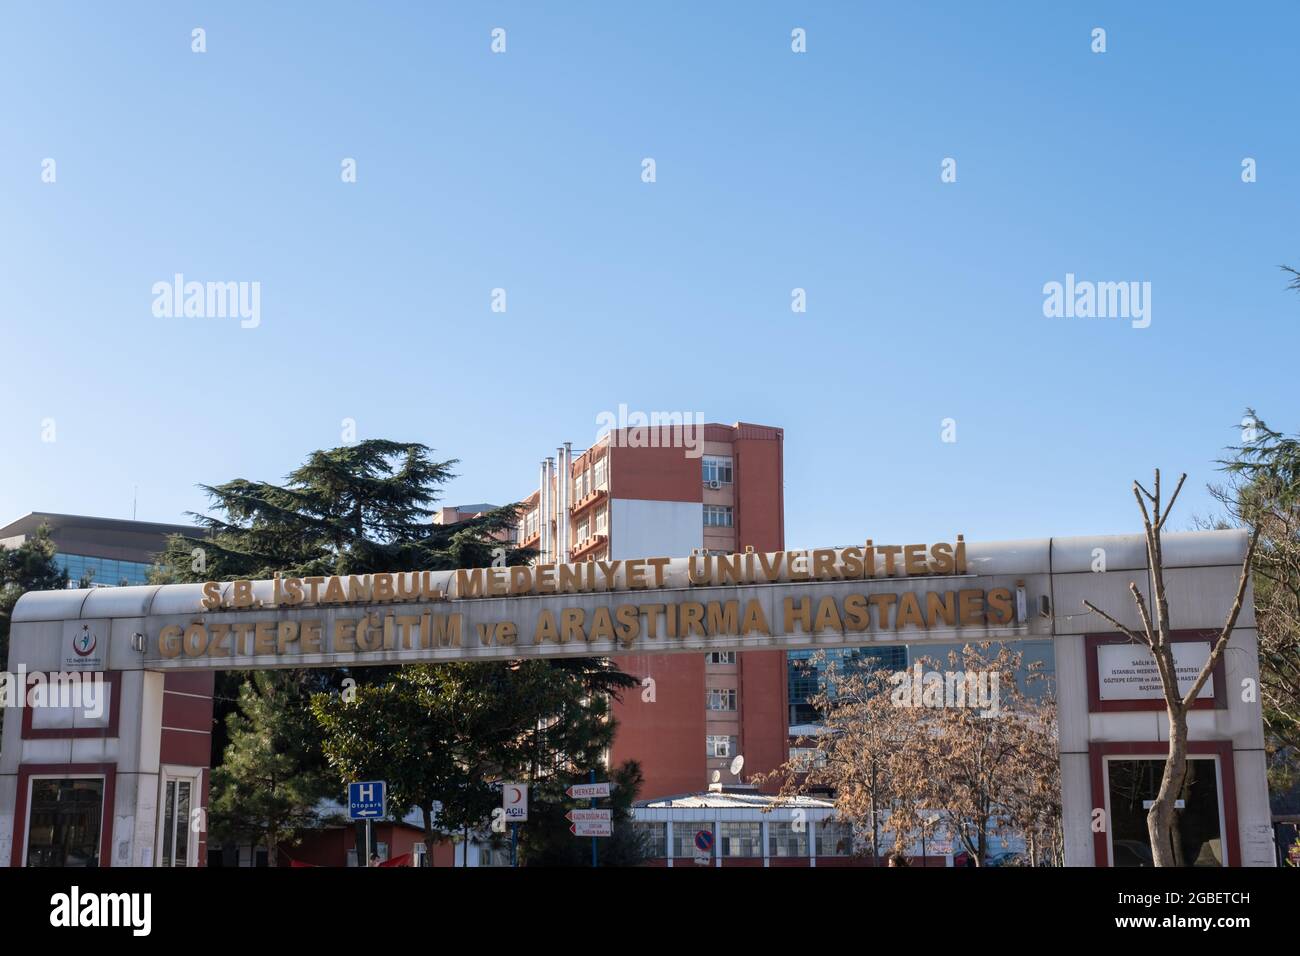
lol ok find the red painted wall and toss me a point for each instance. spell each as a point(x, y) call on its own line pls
point(760, 523)
point(655, 474)
point(764, 713)
point(330, 847)
point(666, 736)
point(760, 496)
point(187, 718)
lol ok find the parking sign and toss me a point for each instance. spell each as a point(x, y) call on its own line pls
point(367, 801)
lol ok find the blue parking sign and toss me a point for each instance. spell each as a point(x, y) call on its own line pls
point(367, 801)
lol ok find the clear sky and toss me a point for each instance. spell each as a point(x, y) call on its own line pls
point(774, 170)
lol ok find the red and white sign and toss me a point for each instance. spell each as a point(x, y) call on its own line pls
point(588, 791)
point(588, 816)
point(591, 828)
point(514, 799)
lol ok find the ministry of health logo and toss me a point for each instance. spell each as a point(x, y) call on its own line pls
point(84, 643)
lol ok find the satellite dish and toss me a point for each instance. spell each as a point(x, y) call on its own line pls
point(737, 765)
point(717, 776)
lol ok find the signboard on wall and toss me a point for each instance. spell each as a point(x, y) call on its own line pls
point(1128, 671)
point(592, 608)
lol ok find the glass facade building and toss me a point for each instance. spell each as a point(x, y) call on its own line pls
point(101, 571)
point(807, 677)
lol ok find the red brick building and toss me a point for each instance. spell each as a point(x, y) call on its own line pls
point(666, 491)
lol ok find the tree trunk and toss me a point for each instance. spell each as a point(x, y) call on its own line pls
point(428, 835)
point(1160, 818)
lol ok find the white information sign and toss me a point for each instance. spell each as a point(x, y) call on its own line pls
point(1128, 671)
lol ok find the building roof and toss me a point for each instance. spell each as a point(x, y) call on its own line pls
point(29, 522)
point(735, 798)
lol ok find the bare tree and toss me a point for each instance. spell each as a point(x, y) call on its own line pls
point(985, 775)
point(1157, 637)
point(901, 771)
point(856, 754)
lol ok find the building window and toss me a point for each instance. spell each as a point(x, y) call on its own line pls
point(834, 839)
point(720, 699)
point(722, 657)
point(718, 745)
point(1197, 836)
point(740, 839)
point(807, 677)
point(598, 473)
point(102, 571)
point(602, 520)
point(655, 836)
point(582, 530)
point(717, 469)
point(717, 516)
point(176, 823)
point(805, 758)
point(684, 836)
point(784, 840)
point(64, 821)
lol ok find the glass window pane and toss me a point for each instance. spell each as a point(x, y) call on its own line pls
point(168, 823)
point(63, 822)
point(182, 822)
point(1196, 833)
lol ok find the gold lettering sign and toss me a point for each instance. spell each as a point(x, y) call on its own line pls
point(871, 561)
point(625, 626)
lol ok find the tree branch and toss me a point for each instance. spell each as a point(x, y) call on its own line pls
point(1217, 651)
point(1133, 637)
point(1170, 508)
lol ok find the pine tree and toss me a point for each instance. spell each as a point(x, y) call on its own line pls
point(441, 735)
point(29, 567)
point(272, 776)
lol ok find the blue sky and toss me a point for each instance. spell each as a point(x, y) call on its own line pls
point(775, 170)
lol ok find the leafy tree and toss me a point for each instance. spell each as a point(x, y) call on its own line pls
point(1263, 492)
point(350, 510)
point(28, 567)
point(271, 778)
point(441, 735)
point(444, 736)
